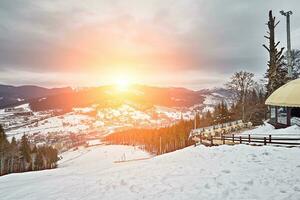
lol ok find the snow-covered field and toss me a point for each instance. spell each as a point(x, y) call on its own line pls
point(224, 172)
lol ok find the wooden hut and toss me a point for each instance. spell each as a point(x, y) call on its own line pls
point(284, 105)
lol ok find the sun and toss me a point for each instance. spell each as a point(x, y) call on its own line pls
point(123, 83)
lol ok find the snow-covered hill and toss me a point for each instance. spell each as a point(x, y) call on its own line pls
point(214, 97)
point(224, 172)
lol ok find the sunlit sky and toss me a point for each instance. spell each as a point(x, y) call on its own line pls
point(187, 43)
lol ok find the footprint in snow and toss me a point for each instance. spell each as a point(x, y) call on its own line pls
point(270, 169)
point(297, 189)
point(226, 171)
point(265, 153)
point(181, 189)
point(107, 187)
point(134, 189)
point(219, 184)
point(122, 182)
point(225, 193)
point(207, 186)
point(266, 183)
point(250, 182)
point(233, 183)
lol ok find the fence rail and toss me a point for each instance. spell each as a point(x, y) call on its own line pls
point(248, 139)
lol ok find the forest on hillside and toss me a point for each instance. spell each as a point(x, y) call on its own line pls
point(22, 156)
point(167, 139)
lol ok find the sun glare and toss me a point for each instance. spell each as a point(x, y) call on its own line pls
point(122, 83)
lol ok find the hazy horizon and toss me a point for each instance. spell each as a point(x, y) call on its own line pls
point(112, 85)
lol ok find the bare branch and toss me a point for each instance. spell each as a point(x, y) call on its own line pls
point(266, 47)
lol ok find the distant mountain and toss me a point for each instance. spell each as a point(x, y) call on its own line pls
point(215, 96)
point(13, 95)
point(140, 95)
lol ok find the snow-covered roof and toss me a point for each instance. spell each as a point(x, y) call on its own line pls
point(287, 95)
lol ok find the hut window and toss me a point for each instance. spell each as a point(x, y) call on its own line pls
point(282, 115)
point(272, 113)
point(295, 116)
point(295, 112)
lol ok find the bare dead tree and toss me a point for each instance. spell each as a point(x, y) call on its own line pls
point(276, 74)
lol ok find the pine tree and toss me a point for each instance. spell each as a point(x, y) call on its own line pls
point(208, 118)
point(25, 153)
point(262, 97)
point(198, 120)
point(4, 145)
point(14, 152)
point(39, 161)
point(276, 74)
point(295, 57)
point(53, 157)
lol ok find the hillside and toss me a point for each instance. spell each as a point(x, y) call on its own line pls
point(15, 95)
point(225, 172)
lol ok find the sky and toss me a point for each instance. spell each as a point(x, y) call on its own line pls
point(186, 43)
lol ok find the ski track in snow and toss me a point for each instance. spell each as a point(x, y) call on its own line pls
point(224, 172)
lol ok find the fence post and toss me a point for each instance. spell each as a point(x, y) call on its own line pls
point(200, 138)
point(233, 138)
point(160, 145)
point(223, 138)
point(265, 141)
point(240, 139)
point(211, 140)
point(249, 139)
point(270, 138)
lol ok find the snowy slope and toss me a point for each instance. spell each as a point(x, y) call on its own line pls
point(213, 97)
point(224, 172)
point(267, 129)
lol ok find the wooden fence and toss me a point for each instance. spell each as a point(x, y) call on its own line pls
point(249, 139)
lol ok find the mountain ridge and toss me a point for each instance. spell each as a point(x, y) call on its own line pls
point(66, 98)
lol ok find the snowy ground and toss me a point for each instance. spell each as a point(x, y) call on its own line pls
point(224, 172)
point(268, 129)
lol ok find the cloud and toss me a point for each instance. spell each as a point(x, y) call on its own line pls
point(85, 37)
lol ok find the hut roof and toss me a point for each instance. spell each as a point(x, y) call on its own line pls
point(287, 95)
